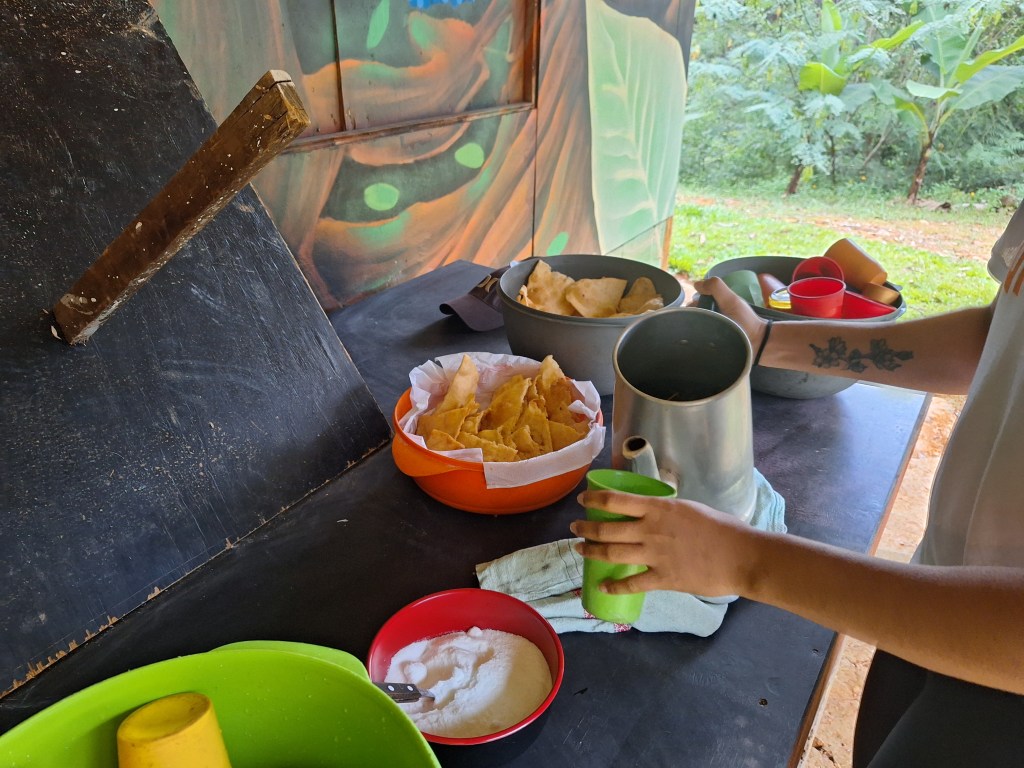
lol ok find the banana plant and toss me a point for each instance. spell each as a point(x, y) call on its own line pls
point(962, 81)
point(831, 77)
point(832, 73)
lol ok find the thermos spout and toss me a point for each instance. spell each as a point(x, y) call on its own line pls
point(639, 456)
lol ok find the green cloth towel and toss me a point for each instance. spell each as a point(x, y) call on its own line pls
point(549, 578)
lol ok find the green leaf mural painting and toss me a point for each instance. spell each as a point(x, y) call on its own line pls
point(482, 130)
point(637, 88)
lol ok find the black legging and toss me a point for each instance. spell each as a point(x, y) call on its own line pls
point(912, 717)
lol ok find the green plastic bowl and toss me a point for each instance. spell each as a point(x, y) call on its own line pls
point(333, 655)
point(276, 707)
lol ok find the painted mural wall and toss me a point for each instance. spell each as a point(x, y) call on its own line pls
point(480, 130)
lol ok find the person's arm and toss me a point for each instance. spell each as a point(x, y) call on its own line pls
point(934, 354)
point(962, 621)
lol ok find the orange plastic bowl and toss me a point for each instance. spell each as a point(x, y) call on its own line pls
point(461, 484)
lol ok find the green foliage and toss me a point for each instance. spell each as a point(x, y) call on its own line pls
point(983, 150)
point(835, 90)
point(757, 223)
point(945, 36)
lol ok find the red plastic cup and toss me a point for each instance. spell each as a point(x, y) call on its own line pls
point(818, 266)
point(817, 297)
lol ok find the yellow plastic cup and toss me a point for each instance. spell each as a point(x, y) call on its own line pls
point(177, 731)
point(619, 609)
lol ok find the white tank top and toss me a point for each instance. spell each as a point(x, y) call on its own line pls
point(976, 511)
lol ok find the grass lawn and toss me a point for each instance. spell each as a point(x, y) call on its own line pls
point(937, 256)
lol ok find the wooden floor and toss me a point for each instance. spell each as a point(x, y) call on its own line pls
point(830, 744)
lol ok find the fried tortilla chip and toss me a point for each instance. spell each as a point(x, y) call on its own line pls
point(440, 441)
point(535, 419)
point(492, 436)
point(545, 290)
point(554, 386)
point(527, 417)
point(551, 291)
point(526, 446)
point(492, 451)
point(448, 422)
point(650, 306)
point(462, 388)
point(472, 423)
point(506, 405)
point(563, 435)
point(641, 297)
point(596, 297)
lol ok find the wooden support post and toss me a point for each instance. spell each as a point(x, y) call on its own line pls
point(269, 117)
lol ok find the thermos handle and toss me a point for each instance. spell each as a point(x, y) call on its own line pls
point(704, 301)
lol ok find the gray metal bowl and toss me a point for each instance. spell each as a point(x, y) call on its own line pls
point(778, 381)
point(582, 346)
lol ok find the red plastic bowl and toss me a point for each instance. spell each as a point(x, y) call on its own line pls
point(857, 307)
point(457, 610)
point(461, 484)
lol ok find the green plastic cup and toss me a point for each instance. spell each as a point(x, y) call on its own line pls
point(620, 609)
point(745, 284)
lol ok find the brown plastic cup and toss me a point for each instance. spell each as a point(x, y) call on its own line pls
point(769, 284)
point(859, 269)
point(881, 293)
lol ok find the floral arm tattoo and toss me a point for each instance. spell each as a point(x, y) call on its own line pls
point(837, 355)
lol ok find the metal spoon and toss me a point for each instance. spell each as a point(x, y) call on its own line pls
point(405, 693)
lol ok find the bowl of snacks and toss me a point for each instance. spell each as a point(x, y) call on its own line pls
point(496, 434)
point(770, 276)
point(575, 307)
point(489, 662)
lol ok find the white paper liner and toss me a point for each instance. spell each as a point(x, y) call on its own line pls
point(430, 381)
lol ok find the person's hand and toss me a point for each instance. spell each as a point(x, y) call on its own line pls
point(733, 307)
point(686, 546)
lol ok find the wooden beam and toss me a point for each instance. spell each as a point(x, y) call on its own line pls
point(269, 117)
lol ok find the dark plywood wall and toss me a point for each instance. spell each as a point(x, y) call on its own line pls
point(213, 400)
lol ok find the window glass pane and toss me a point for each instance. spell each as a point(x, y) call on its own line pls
point(415, 60)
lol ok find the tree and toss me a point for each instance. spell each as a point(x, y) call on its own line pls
point(797, 87)
point(810, 77)
point(830, 76)
point(939, 34)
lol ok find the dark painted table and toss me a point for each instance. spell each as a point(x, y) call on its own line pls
point(334, 567)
